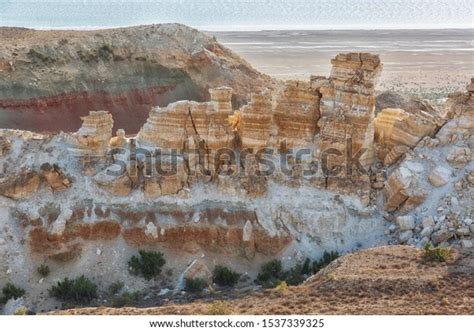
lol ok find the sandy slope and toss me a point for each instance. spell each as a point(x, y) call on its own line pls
point(383, 280)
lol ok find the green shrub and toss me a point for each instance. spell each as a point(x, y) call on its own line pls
point(295, 275)
point(147, 264)
point(10, 291)
point(80, 290)
point(327, 258)
point(43, 270)
point(438, 254)
point(270, 274)
point(126, 299)
point(195, 284)
point(224, 276)
point(269, 270)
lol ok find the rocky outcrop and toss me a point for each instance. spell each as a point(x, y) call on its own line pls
point(189, 124)
point(55, 177)
point(296, 115)
point(440, 169)
point(125, 71)
point(4, 146)
point(409, 103)
point(90, 199)
point(397, 128)
point(92, 139)
point(20, 185)
point(254, 122)
point(347, 109)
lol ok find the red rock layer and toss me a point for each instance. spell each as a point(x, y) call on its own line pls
point(129, 109)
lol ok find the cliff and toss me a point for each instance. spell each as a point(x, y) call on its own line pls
point(298, 170)
point(48, 79)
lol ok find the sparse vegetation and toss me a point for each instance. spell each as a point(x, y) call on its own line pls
point(21, 311)
point(80, 290)
point(282, 287)
point(437, 254)
point(224, 276)
point(106, 52)
point(116, 287)
point(272, 273)
point(327, 258)
point(126, 299)
point(147, 264)
point(295, 275)
point(43, 270)
point(195, 284)
point(11, 291)
point(218, 308)
point(38, 56)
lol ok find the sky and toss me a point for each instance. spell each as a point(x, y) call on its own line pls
point(239, 15)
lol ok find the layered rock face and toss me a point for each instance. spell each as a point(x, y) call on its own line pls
point(296, 115)
point(185, 123)
point(90, 198)
point(124, 71)
point(188, 230)
point(92, 139)
point(254, 122)
point(287, 117)
point(347, 110)
point(348, 101)
point(433, 187)
point(401, 123)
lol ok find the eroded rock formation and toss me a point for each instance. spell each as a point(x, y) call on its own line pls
point(347, 111)
point(433, 185)
point(92, 139)
point(398, 129)
point(89, 198)
point(20, 185)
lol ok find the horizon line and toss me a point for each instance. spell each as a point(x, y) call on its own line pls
point(244, 28)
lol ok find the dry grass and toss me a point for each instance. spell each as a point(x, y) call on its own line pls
point(383, 280)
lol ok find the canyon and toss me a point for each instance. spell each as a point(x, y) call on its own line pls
point(246, 170)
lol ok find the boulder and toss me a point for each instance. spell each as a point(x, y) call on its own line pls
point(428, 221)
point(466, 243)
point(464, 231)
point(198, 269)
point(405, 222)
point(458, 157)
point(405, 236)
point(439, 176)
point(115, 184)
point(440, 236)
point(427, 231)
point(402, 188)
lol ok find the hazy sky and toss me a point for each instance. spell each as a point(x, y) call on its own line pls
point(241, 14)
